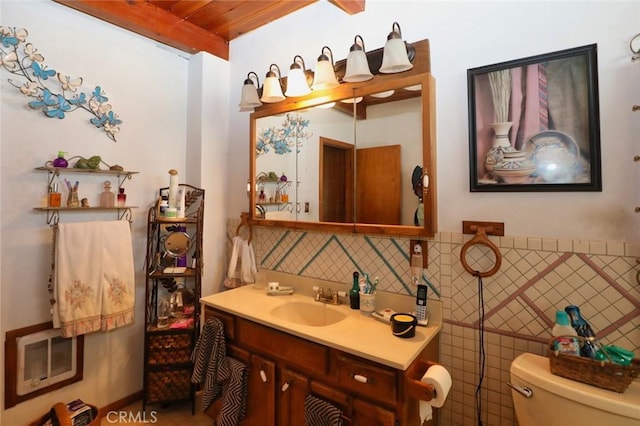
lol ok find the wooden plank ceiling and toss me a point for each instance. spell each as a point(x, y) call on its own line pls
point(196, 25)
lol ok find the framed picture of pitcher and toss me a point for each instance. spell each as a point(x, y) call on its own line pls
point(534, 123)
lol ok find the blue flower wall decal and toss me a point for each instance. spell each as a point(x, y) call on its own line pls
point(28, 64)
point(282, 139)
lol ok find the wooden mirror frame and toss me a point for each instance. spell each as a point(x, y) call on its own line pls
point(419, 75)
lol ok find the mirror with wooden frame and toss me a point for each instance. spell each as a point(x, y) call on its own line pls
point(356, 158)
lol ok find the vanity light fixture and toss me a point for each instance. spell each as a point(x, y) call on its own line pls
point(395, 57)
point(296, 80)
point(357, 63)
point(272, 89)
point(325, 76)
point(250, 99)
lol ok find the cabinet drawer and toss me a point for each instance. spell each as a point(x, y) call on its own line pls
point(227, 321)
point(169, 349)
point(168, 385)
point(366, 378)
point(301, 353)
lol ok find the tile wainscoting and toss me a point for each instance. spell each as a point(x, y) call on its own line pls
point(537, 277)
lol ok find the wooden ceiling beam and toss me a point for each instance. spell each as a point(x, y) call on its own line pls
point(350, 6)
point(144, 18)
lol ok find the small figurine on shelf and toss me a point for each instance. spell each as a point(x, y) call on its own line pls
point(84, 203)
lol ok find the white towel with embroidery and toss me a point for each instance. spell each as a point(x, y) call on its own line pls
point(242, 265)
point(94, 279)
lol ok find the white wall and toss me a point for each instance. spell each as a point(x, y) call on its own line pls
point(151, 88)
point(468, 34)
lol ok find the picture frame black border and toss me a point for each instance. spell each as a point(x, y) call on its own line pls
point(595, 172)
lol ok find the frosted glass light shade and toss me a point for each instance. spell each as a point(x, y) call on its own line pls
point(272, 90)
point(325, 75)
point(357, 67)
point(249, 98)
point(395, 57)
point(296, 80)
point(297, 84)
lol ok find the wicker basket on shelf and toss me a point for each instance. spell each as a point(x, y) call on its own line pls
point(603, 374)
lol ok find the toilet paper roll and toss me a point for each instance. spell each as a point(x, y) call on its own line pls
point(438, 377)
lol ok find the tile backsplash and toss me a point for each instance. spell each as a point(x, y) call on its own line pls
point(537, 277)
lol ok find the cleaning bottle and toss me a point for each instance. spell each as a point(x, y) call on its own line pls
point(354, 293)
point(583, 329)
point(565, 336)
point(60, 161)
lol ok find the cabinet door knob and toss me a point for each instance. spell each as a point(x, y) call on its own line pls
point(286, 385)
point(263, 376)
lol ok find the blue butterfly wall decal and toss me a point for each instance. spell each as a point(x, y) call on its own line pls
point(25, 62)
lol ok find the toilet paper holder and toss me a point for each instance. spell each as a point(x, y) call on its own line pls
point(415, 387)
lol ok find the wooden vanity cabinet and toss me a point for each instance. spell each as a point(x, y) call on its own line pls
point(368, 393)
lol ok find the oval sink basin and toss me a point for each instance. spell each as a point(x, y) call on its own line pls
point(311, 314)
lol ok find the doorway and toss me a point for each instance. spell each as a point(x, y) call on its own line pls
point(336, 181)
point(379, 185)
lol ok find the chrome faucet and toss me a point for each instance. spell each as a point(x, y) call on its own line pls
point(327, 296)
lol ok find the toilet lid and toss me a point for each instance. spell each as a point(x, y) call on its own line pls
point(534, 369)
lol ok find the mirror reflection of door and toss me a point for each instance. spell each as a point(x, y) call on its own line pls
point(379, 185)
point(336, 177)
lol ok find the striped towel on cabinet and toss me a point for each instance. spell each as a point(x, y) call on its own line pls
point(223, 376)
point(210, 363)
point(321, 413)
point(234, 395)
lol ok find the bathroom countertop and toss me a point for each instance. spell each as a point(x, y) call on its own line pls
point(357, 334)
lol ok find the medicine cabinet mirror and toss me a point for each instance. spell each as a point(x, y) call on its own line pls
point(347, 159)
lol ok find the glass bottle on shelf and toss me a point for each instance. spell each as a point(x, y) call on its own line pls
point(164, 310)
point(122, 198)
point(55, 198)
point(107, 198)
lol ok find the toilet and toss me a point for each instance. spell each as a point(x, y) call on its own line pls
point(558, 401)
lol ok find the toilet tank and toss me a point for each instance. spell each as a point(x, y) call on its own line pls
point(559, 401)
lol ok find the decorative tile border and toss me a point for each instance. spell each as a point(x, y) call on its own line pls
point(537, 277)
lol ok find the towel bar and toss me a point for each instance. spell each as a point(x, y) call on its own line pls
point(480, 238)
point(244, 221)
